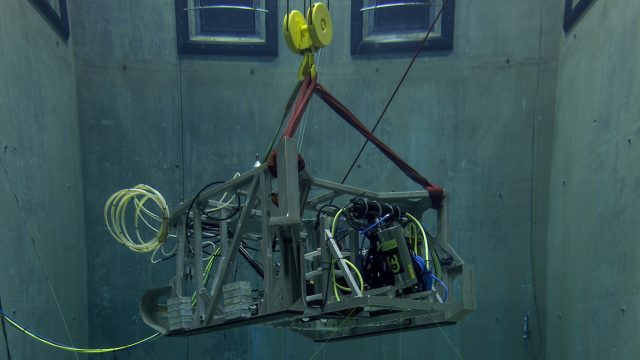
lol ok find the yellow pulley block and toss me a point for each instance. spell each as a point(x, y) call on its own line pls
point(296, 32)
point(320, 25)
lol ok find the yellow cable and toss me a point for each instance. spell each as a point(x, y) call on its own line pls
point(115, 211)
point(413, 237)
point(205, 275)
point(333, 233)
point(335, 222)
point(424, 237)
point(336, 285)
point(75, 349)
point(349, 263)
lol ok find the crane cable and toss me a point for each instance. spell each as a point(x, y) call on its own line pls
point(397, 88)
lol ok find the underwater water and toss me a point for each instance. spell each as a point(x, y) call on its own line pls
point(524, 112)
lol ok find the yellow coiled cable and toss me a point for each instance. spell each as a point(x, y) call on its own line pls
point(115, 215)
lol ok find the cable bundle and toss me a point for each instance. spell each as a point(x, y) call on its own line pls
point(115, 212)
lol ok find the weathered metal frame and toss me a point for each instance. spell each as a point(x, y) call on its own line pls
point(284, 302)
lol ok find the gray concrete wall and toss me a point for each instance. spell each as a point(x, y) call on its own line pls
point(593, 250)
point(466, 119)
point(39, 143)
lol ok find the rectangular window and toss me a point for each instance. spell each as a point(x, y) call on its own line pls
point(225, 27)
point(396, 17)
point(390, 26)
point(235, 23)
point(55, 12)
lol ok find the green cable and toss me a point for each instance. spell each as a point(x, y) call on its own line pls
point(334, 224)
point(205, 275)
point(336, 285)
point(59, 346)
point(56, 345)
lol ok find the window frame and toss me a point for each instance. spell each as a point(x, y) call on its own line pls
point(359, 46)
point(186, 44)
point(573, 13)
point(59, 21)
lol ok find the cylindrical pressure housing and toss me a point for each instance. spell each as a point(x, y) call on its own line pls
point(393, 246)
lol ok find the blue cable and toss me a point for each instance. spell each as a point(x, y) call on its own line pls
point(4, 333)
point(446, 289)
point(366, 230)
point(425, 279)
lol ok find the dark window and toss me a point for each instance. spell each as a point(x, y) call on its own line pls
point(227, 21)
point(226, 27)
point(399, 18)
point(386, 26)
point(55, 11)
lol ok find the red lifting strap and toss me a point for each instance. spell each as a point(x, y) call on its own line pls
point(435, 192)
point(309, 86)
point(304, 95)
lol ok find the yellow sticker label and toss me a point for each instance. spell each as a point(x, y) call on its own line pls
point(394, 263)
point(388, 245)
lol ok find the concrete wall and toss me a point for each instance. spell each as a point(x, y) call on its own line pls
point(39, 143)
point(466, 119)
point(593, 252)
point(128, 100)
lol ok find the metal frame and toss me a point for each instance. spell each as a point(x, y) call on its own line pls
point(285, 300)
